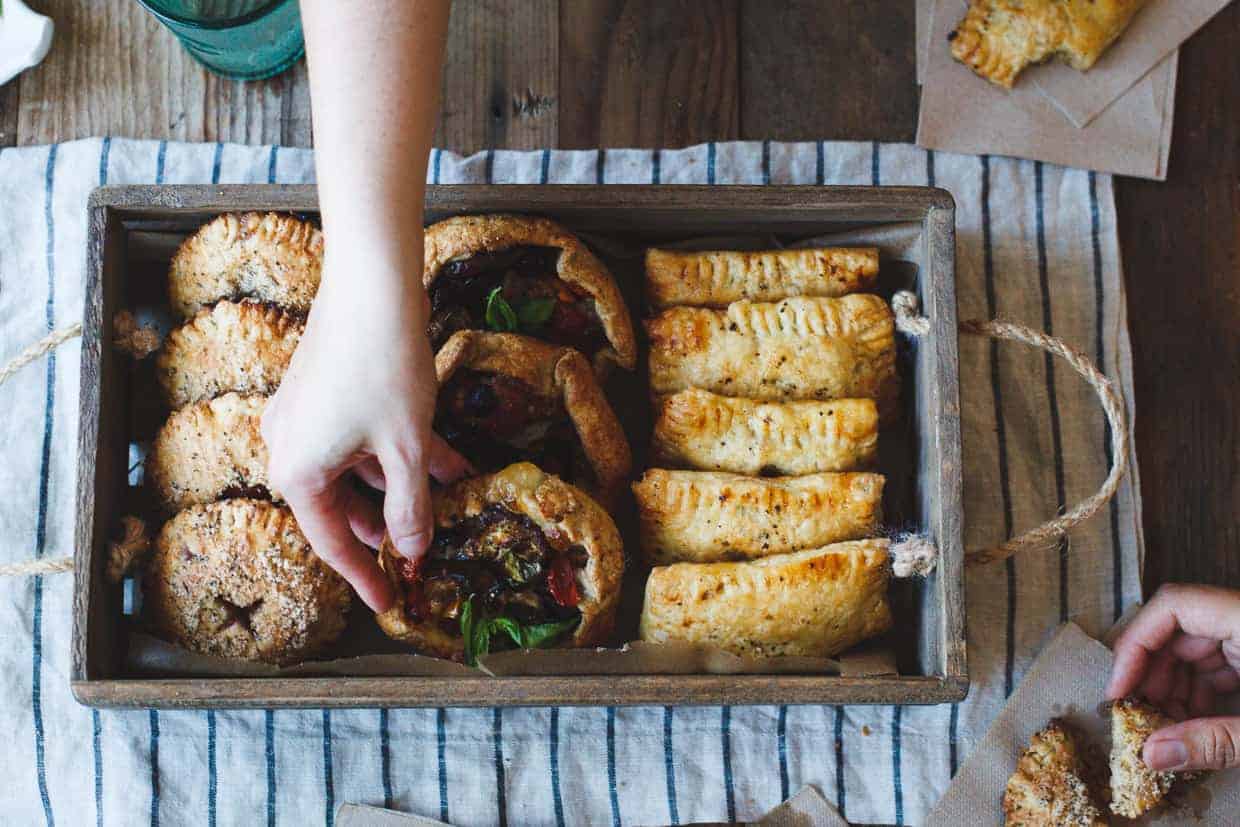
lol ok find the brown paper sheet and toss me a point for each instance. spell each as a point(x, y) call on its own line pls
point(1067, 680)
point(961, 112)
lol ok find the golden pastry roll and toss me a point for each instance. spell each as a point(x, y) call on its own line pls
point(709, 516)
point(799, 348)
point(716, 278)
point(813, 603)
point(706, 431)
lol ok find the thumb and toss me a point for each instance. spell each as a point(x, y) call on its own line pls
point(1198, 744)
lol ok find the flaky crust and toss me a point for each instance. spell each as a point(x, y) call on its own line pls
point(243, 347)
point(799, 348)
point(552, 371)
point(708, 516)
point(237, 578)
point(466, 235)
point(564, 513)
point(1135, 788)
point(207, 449)
point(1048, 788)
point(717, 278)
point(814, 603)
point(997, 39)
point(702, 430)
point(265, 256)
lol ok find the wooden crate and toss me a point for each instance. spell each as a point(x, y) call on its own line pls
point(132, 233)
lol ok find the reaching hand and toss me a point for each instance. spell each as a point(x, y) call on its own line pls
point(1181, 652)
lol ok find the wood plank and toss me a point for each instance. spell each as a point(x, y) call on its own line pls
point(499, 87)
point(844, 72)
point(8, 112)
point(646, 73)
point(1181, 248)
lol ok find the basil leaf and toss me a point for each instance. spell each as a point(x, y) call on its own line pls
point(498, 314)
point(509, 627)
point(539, 635)
point(467, 632)
point(534, 313)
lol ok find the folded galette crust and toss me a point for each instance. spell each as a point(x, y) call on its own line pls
point(466, 235)
point(564, 513)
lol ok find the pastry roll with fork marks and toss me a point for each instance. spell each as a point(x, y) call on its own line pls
point(798, 348)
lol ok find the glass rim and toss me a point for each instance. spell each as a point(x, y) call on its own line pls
point(225, 23)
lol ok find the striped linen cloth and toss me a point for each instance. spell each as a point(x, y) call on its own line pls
point(1036, 243)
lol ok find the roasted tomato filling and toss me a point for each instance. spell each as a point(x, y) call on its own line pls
point(502, 564)
point(513, 291)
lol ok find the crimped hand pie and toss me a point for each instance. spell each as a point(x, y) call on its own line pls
point(208, 450)
point(505, 398)
point(717, 278)
point(997, 39)
point(269, 257)
point(697, 429)
point(813, 603)
point(1050, 787)
point(1135, 788)
point(237, 578)
point(799, 348)
point(512, 273)
point(518, 547)
point(708, 516)
point(243, 347)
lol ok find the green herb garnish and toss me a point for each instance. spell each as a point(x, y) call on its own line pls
point(528, 317)
point(477, 631)
point(498, 314)
point(534, 313)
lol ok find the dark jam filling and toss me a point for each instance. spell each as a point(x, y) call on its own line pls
point(501, 563)
point(542, 305)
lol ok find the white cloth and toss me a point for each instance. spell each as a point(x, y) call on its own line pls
point(1036, 243)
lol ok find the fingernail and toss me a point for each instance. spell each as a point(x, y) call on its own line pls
point(1166, 755)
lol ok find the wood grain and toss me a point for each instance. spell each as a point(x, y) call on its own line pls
point(647, 73)
point(8, 113)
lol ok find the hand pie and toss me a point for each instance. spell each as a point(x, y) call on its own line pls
point(506, 398)
point(997, 39)
point(519, 274)
point(813, 603)
point(269, 257)
point(718, 278)
point(708, 516)
point(237, 578)
point(208, 450)
point(520, 552)
point(243, 347)
point(799, 348)
point(1049, 788)
point(697, 429)
point(1135, 788)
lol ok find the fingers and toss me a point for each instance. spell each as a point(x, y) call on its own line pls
point(371, 473)
point(407, 503)
point(1198, 744)
point(365, 518)
point(444, 463)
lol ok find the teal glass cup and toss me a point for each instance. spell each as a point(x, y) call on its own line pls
point(238, 39)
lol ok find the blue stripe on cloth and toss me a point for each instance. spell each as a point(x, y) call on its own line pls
point(840, 794)
point(436, 157)
point(215, 162)
point(600, 167)
point(930, 168)
point(271, 164)
point(160, 157)
point(96, 737)
point(897, 713)
point(820, 165)
point(1100, 353)
point(612, 795)
point(544, 169)
point(953, 726)
point(329, 783)
point(40, 531)
point(1005, 491)
point(385, 757)
point(154, 768)
point(556, 801)
point(212, 782)
point(781, 740)
point(711, 152)
point(725, 747)
point(269, 726)
point(1051, 393)
point(766, 162)
point(489, 166)
point(875, 177)
point(103, 160)
point(673, 811)
point(497, 735)
point(441, 747)
point(654, 167)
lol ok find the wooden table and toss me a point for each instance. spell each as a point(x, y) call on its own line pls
point(644, 73)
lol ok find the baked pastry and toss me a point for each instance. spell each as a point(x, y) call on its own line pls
point(507, 398)
point(813, 603)
point(1135, 788)
point(1049, 787)
point(208, 450)
point(511, 273)
point(237, 578)
point(997, 39)
point(707, 516)
point(719, 277)
point(698, 429)
point(519, 558)
point(269, 257)
point(799, 348)
point(243, 347)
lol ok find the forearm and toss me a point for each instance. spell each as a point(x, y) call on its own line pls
point(374, 78)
